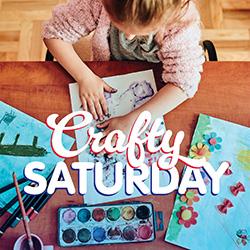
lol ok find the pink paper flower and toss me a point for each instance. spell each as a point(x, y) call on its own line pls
point(187, 216)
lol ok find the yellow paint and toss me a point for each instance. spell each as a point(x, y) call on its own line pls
point(186, 215)
point(244, 158)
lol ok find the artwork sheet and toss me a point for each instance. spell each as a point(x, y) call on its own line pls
point(23, 139)
point(222, 221)
point(133, 90)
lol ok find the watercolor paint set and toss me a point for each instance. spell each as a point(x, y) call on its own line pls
point(106, 224)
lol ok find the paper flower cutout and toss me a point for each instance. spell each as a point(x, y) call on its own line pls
point(212, 141)
point(199, 151)
point(187, 216)
point(243, 237)
point(190, 197)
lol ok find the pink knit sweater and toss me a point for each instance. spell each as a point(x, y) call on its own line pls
point(180, 51)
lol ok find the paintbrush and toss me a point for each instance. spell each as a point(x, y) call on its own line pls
point(9, 204)
point(16, 216)
point(12, 185)
point(13, 201)
point(25, 217)
point(35, 210)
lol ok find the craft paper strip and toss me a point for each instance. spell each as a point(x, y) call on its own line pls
point(216, 222)
point(133, 90)
point(23, 139)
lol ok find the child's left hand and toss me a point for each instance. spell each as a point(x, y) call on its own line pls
point(123, 123)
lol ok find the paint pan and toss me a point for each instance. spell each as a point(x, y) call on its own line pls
point(106, 224)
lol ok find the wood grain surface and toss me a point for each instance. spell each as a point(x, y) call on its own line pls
point(225, 22)
point(40, 89)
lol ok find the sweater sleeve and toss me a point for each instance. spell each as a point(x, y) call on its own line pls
point(73, 20)
point(181, 53)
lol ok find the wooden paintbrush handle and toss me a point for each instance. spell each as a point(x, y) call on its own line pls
point(25, 217)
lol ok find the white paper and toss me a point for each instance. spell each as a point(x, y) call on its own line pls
point(133, 90)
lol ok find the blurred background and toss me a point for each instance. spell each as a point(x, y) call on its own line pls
point(225, 22)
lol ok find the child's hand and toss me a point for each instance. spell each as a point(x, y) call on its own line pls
point(123, 123)
point(92, 96)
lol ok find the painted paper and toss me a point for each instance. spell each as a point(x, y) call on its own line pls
point(133, 90)
point(23, 139)
point(222, 221)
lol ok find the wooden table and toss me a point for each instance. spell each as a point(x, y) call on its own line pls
point(40, 88)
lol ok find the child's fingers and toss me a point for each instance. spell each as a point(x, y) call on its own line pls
point(104, 105)
point(103, 125)
point(98, 109)
point(84, 104)
point(92, 108)
point(108, 88)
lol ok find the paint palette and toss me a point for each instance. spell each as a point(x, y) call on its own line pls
point(106, 224)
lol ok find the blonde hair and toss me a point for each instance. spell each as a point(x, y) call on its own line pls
point(143, 12)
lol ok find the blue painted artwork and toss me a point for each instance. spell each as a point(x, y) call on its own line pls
point(216, 222)
point(23, 139)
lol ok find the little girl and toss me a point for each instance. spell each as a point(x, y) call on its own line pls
point(166, 31)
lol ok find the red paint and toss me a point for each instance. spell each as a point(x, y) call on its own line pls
point(98, 214)
point(144, 232)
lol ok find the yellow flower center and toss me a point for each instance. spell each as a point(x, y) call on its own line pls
point(190, 195)
point(186, 214)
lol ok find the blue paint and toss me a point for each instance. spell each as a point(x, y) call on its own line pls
point(99, 234)
point(83, 215)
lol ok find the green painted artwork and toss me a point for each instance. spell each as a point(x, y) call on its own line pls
point(21, 150)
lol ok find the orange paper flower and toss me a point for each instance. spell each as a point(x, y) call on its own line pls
point(199, 151)
point(190, 197)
